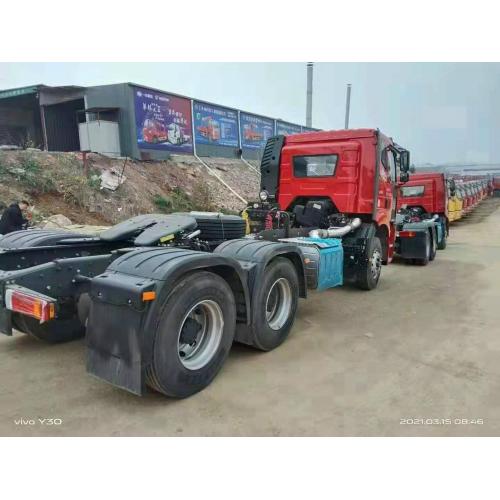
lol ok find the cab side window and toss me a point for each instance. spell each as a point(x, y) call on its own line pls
point(389, 163)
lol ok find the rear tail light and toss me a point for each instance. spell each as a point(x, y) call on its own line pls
point(407, 234)
point(24, 301)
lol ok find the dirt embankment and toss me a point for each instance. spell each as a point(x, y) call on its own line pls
point(58, 183)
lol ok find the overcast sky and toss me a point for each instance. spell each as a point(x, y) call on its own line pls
point(442, 112)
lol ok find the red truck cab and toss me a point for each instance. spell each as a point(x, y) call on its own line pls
point(341, 166)
point(427, 191)
point(323, 183)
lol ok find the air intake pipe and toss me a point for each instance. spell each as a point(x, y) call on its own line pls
point(336, 232)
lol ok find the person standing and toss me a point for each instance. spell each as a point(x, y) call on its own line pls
point(13, 218)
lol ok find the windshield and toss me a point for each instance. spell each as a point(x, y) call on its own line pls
point(409, 191)
point(314, 166)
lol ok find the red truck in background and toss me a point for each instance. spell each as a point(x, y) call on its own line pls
point(428, 192)
point(496, 186)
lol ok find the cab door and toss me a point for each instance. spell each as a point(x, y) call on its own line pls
point(387, 184)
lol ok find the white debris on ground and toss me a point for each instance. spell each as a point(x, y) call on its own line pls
point(111, 179)
point(58, 221)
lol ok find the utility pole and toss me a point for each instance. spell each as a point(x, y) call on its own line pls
point(347, 105)
point(309, 94)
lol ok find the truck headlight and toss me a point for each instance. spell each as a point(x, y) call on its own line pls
point(263, 195)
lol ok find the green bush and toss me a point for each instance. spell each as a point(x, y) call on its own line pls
point(178, 201)
point(162, 204)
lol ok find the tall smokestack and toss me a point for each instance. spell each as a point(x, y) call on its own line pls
point(347, 105)
point(309, 94)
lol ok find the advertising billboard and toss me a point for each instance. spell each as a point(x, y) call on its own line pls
point(285, 128)
point(215, 125)
point(163, 121)
point(255, 130)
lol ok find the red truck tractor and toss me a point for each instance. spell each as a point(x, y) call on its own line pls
point(427, 195)
point(339, 183)
point(161, 298)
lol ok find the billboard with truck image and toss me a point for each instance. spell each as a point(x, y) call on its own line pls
point(215, 125)
point(163, 121)
point(255, 130)
point(286, 128)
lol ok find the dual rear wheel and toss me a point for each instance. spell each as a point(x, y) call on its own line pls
point(197, 324)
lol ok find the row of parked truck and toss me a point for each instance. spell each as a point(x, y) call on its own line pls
point(161, 298)
point(440, 199)
point(465, 193)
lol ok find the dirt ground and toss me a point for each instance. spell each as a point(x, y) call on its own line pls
point(418, 356)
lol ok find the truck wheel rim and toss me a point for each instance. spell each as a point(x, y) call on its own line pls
point(376, 264)
point(210, 323)
point(279, 304)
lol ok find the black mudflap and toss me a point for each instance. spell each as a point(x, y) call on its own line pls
point(414, 247)
point(114, 350)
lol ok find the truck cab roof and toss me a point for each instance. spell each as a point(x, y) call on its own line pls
point(331, 135)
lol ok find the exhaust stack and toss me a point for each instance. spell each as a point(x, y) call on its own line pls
point(347, 105)
point(309, 94)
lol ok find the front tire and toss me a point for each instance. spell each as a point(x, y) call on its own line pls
point(367, 277)
point(193, 336)
point(442, 244)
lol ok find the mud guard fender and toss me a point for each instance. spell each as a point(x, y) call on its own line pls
point(122, 326)
point(255, 255)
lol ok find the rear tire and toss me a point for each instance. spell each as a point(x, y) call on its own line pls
point(275, 306)
point(433, 236)
point(367, 278)
point(193, 336)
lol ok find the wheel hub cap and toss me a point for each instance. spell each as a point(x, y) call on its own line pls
point(279, 304)
point(200, 334)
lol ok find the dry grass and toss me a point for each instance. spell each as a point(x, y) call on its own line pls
point(57, 183)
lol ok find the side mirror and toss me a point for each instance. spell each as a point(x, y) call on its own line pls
point(404, 177)
point(404, 164)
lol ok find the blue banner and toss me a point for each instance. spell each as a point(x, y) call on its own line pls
point(285, 128)
point(215, 125)
point(255, 130)
point(163, 121)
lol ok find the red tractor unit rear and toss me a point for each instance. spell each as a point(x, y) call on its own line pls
point(336, 184)
point(425, 196)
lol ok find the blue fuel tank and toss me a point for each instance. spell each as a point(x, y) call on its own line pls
point(324, 261)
